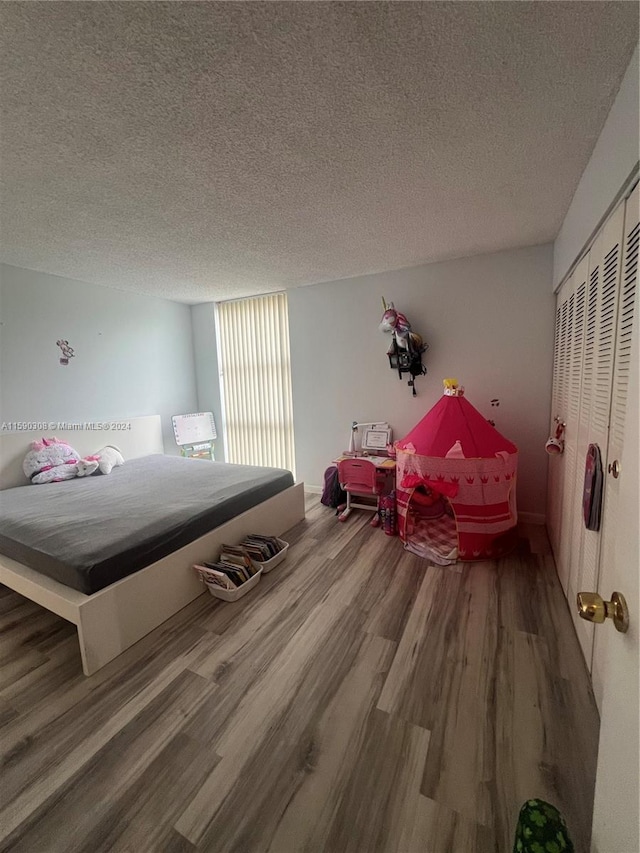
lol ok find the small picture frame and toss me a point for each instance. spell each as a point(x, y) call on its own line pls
point(376, 438)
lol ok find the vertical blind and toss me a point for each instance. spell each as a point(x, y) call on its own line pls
point(256, 381)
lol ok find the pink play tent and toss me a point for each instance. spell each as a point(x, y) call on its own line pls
point(456, 478)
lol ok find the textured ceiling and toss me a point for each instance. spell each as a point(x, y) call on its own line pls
point(203, 151)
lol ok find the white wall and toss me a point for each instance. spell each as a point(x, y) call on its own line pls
point(206, 365)
point(488, 321)
point(133, 354)
point(614, 158)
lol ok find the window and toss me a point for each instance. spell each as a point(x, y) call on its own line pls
point(255, 380)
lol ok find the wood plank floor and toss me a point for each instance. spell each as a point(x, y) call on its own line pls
point(359, 699)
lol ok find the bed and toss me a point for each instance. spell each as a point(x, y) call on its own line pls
point(120, 564)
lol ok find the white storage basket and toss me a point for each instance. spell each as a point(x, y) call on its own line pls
point(234, 594)
point(274, 561)
point(218, 591)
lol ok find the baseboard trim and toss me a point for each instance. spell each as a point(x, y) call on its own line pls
point(532, 517)
point(314, 490)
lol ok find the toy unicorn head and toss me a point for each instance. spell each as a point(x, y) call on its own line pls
point(51, 460)
point(392, 320)
point(395, 322)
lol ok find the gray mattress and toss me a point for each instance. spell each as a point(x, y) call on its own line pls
point(89, 532)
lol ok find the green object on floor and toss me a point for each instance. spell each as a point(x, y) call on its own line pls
point(541, 829)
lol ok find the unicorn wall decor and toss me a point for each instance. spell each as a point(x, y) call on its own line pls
point(407, 347)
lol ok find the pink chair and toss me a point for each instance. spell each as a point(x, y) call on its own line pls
point(359, 477)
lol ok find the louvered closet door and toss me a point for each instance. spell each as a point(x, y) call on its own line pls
point(559, 409)
point(574, 471)
point(624, 332)
point(568, 460)
point(553, 479)
point(595, 403)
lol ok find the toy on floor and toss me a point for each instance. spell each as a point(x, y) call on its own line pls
point(51, 460)
point(541, 827)
point(388, 514)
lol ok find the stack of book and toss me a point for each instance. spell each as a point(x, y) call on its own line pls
point(231, 570)
point(261, 548)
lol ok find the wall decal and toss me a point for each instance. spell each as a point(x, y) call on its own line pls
point(67, 352)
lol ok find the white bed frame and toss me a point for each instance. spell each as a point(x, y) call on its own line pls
point(113, 619)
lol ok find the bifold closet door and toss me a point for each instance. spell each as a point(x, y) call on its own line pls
point(602, 295)
point(553, 476)
point(558, 410)
point(554, 493)
point(626, 328)
point(574, 459)
point(568, 357)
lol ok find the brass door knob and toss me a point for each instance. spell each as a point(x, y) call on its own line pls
point(594, 608)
